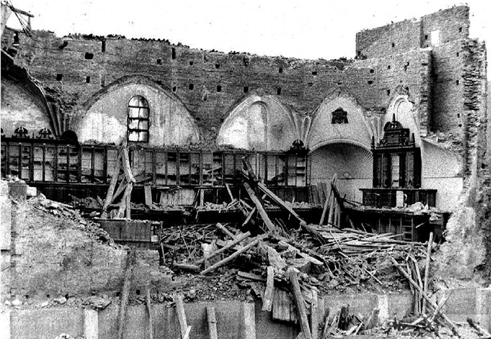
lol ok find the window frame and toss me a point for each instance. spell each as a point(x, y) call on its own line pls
point(139, 119)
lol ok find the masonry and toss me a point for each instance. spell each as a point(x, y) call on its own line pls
point(401, 128)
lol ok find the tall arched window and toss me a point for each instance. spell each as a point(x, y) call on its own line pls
point(138, 119)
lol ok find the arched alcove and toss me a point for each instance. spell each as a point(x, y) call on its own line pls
point(351, 163)
point(106, 120)
point(260, 123)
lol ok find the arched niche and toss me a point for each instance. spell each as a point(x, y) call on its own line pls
point(404, 111)
point(351, 163)
point(339, 119)
point(105, 118)
point(260, 123)
point(20, 109)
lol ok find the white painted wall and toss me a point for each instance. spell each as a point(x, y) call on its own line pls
point(106, 120)
point(18, 109)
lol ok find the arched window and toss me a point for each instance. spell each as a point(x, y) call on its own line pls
point(138, 119)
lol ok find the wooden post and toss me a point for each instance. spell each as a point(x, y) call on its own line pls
point(112, 186)
point(91, 324)
point(427, 269)
point(299, 301)
point(268, 293)
point(212, 322)
point(130, 262)
point(149, 310)
point(181, 315)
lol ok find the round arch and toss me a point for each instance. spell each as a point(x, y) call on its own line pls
point(351, 162)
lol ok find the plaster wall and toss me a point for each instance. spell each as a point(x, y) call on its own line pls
point(323, 131)
point(18, 109)
point(352, 165)
point(106, 120)
point(260, 123)
point(442, 170)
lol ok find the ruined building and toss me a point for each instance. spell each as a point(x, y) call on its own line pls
point(399, 133)
point(403, 122)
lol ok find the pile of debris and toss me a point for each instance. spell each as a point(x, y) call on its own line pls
point(291, 268)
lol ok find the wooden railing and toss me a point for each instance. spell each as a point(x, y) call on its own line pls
point(55, 161)
point(387, 197)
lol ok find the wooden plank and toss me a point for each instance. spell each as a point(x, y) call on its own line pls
point(126, 165)
point(148, 302)
point(181, 315)
point(212, 322)
point(225, 248)
point(224, 229)
point(314, 317)
point(234, 255)
point(427, 270)
point(268, 293)
point(148, 195)
point(300, 303)
point(91, 324)
point(125, 293)
point(267, 221)
point(426, 297)
point(110, 191)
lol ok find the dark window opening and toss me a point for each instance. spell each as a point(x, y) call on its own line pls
point(219, 88)
point(458, 54)
point(388, 67)
point(370, 82)
point(280, 70)
point(191, 63)
point(191, 87)
point(460, 29)
point(314, 73)
point(339, 116)
point(372, 71)
point(138, 119)
point(89, 56)
point(103, 80)
point(103, 46)
point(278, 91)
point(87, 80)
point(245, 60)
point(217, 66)
point(159, 61)
point(59, 77)
point(393, 45)
point(458, 115)
point(246, 89)
point(173, 53)
point(174, 89)
point(426, 36)
point(388, 92)
point(457, 82)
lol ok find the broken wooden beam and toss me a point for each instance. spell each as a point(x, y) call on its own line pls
point(267, 221)
point(234, 255)
point(181, 315)
point(225, 248)
point(268, 293)
point(212, 322)
point(299, 302)
point(149, 311)
point(125, 293)
point(426, 297)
